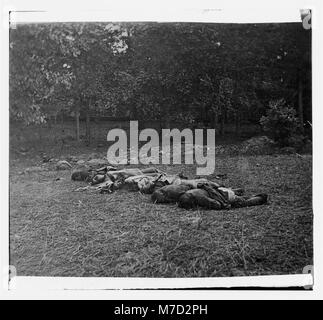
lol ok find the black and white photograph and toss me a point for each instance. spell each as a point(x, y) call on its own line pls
point(156, 149)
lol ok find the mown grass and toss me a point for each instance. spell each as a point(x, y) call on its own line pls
point(55, 231)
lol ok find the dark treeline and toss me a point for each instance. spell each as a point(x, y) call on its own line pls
point(204, 75)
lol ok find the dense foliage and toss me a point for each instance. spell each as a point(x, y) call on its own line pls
point(201, 74)
point(282, 124)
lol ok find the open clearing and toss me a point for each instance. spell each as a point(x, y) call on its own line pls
point(55, 231)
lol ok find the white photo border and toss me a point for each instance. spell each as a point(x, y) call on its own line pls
point(198, 11)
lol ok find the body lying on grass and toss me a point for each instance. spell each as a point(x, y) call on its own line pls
point(109, 180)
point(206, 195)
point(188, 193)
point(90, 175)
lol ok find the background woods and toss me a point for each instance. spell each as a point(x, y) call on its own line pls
point(222, 76)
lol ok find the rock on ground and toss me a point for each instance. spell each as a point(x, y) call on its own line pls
point(80, 162)
point(63, 165)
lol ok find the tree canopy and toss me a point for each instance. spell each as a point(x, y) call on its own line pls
point(191, 72)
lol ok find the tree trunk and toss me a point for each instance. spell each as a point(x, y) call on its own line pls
point(49, 123)
point(216, 120)
point(204, 116)
point(236, 104)
point(167, 120)
point(77, 119)
point(167, 124)
point(40, 135)
point(222, 121)
point(238, 123)
point(88, 127)
point(300, 103)
point(134, 115)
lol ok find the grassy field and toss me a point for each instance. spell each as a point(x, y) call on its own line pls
point(55, 231)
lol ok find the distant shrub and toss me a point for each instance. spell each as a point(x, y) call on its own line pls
point(258, 145)
point(282, 125)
